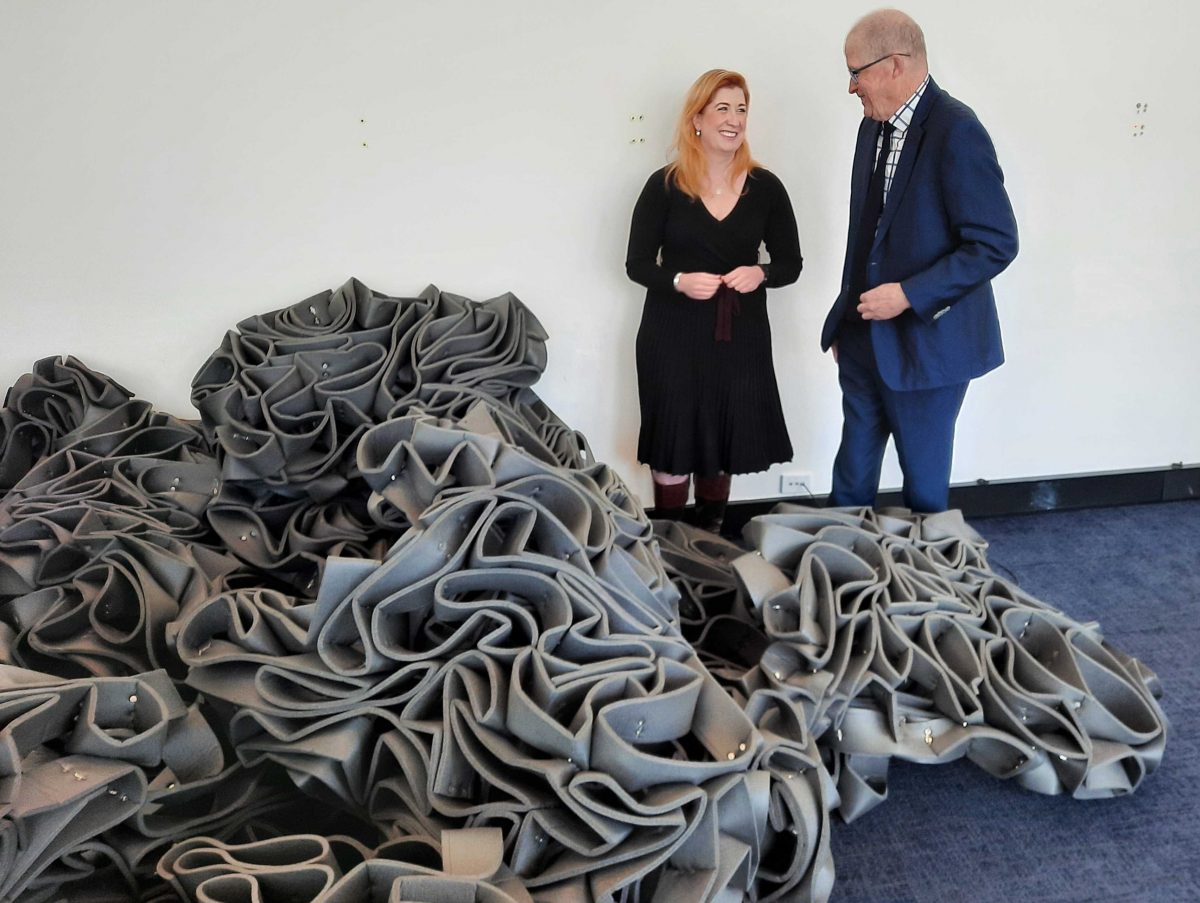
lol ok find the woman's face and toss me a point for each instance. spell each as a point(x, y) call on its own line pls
point(722, 123)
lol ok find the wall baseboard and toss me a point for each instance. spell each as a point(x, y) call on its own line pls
point(994, 498)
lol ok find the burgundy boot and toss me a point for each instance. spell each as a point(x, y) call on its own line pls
point(669, 499)
point(712, 494)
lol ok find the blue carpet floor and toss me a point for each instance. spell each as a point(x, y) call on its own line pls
point(952, 833)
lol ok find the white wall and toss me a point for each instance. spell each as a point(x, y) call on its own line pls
point(168, 168)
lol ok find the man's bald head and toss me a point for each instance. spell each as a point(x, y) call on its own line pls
point(889, 31)
point(885, 53)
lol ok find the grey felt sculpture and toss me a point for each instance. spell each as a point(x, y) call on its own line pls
point(897, 641)
point(380, 627)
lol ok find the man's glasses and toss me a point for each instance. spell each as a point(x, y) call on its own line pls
point(855, 72)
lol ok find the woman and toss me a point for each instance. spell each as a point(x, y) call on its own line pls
point(706, 383)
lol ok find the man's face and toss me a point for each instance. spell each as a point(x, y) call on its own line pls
point(876, 85)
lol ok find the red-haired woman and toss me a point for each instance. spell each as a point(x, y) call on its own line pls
point(706, 382)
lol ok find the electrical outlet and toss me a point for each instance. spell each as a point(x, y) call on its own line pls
point(795, 484)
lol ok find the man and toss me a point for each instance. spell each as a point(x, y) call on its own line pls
point(930, 226)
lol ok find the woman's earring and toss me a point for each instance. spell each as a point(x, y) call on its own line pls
point(697, 133)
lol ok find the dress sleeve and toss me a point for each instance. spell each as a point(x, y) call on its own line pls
point(782, 239)
point(646, 236)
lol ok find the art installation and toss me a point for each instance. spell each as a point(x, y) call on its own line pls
point(379, 627)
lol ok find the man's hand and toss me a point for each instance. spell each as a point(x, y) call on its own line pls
point(883, 302)
point(744, 279)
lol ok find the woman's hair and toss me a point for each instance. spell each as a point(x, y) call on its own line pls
point(689, 169)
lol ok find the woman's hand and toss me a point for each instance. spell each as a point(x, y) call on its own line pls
point(699, 286)
point(744, 279)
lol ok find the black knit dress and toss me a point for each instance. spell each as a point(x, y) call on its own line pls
point(706, 381)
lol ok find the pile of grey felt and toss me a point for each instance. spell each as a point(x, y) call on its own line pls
point(378, 626)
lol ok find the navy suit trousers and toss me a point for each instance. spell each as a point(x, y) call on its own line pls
point(920, 421)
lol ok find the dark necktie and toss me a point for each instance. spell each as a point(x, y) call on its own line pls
point(868, 222)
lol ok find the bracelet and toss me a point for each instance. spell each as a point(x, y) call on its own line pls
point(675, 281)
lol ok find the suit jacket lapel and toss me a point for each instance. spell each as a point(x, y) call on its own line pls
point(864, 163)
point(908, 157)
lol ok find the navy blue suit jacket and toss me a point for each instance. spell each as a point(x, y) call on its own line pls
point(947, 228)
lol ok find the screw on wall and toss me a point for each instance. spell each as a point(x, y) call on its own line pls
point(1139, 123)
point(637, 121)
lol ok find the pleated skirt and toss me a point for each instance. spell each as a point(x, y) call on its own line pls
point(708, 407)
